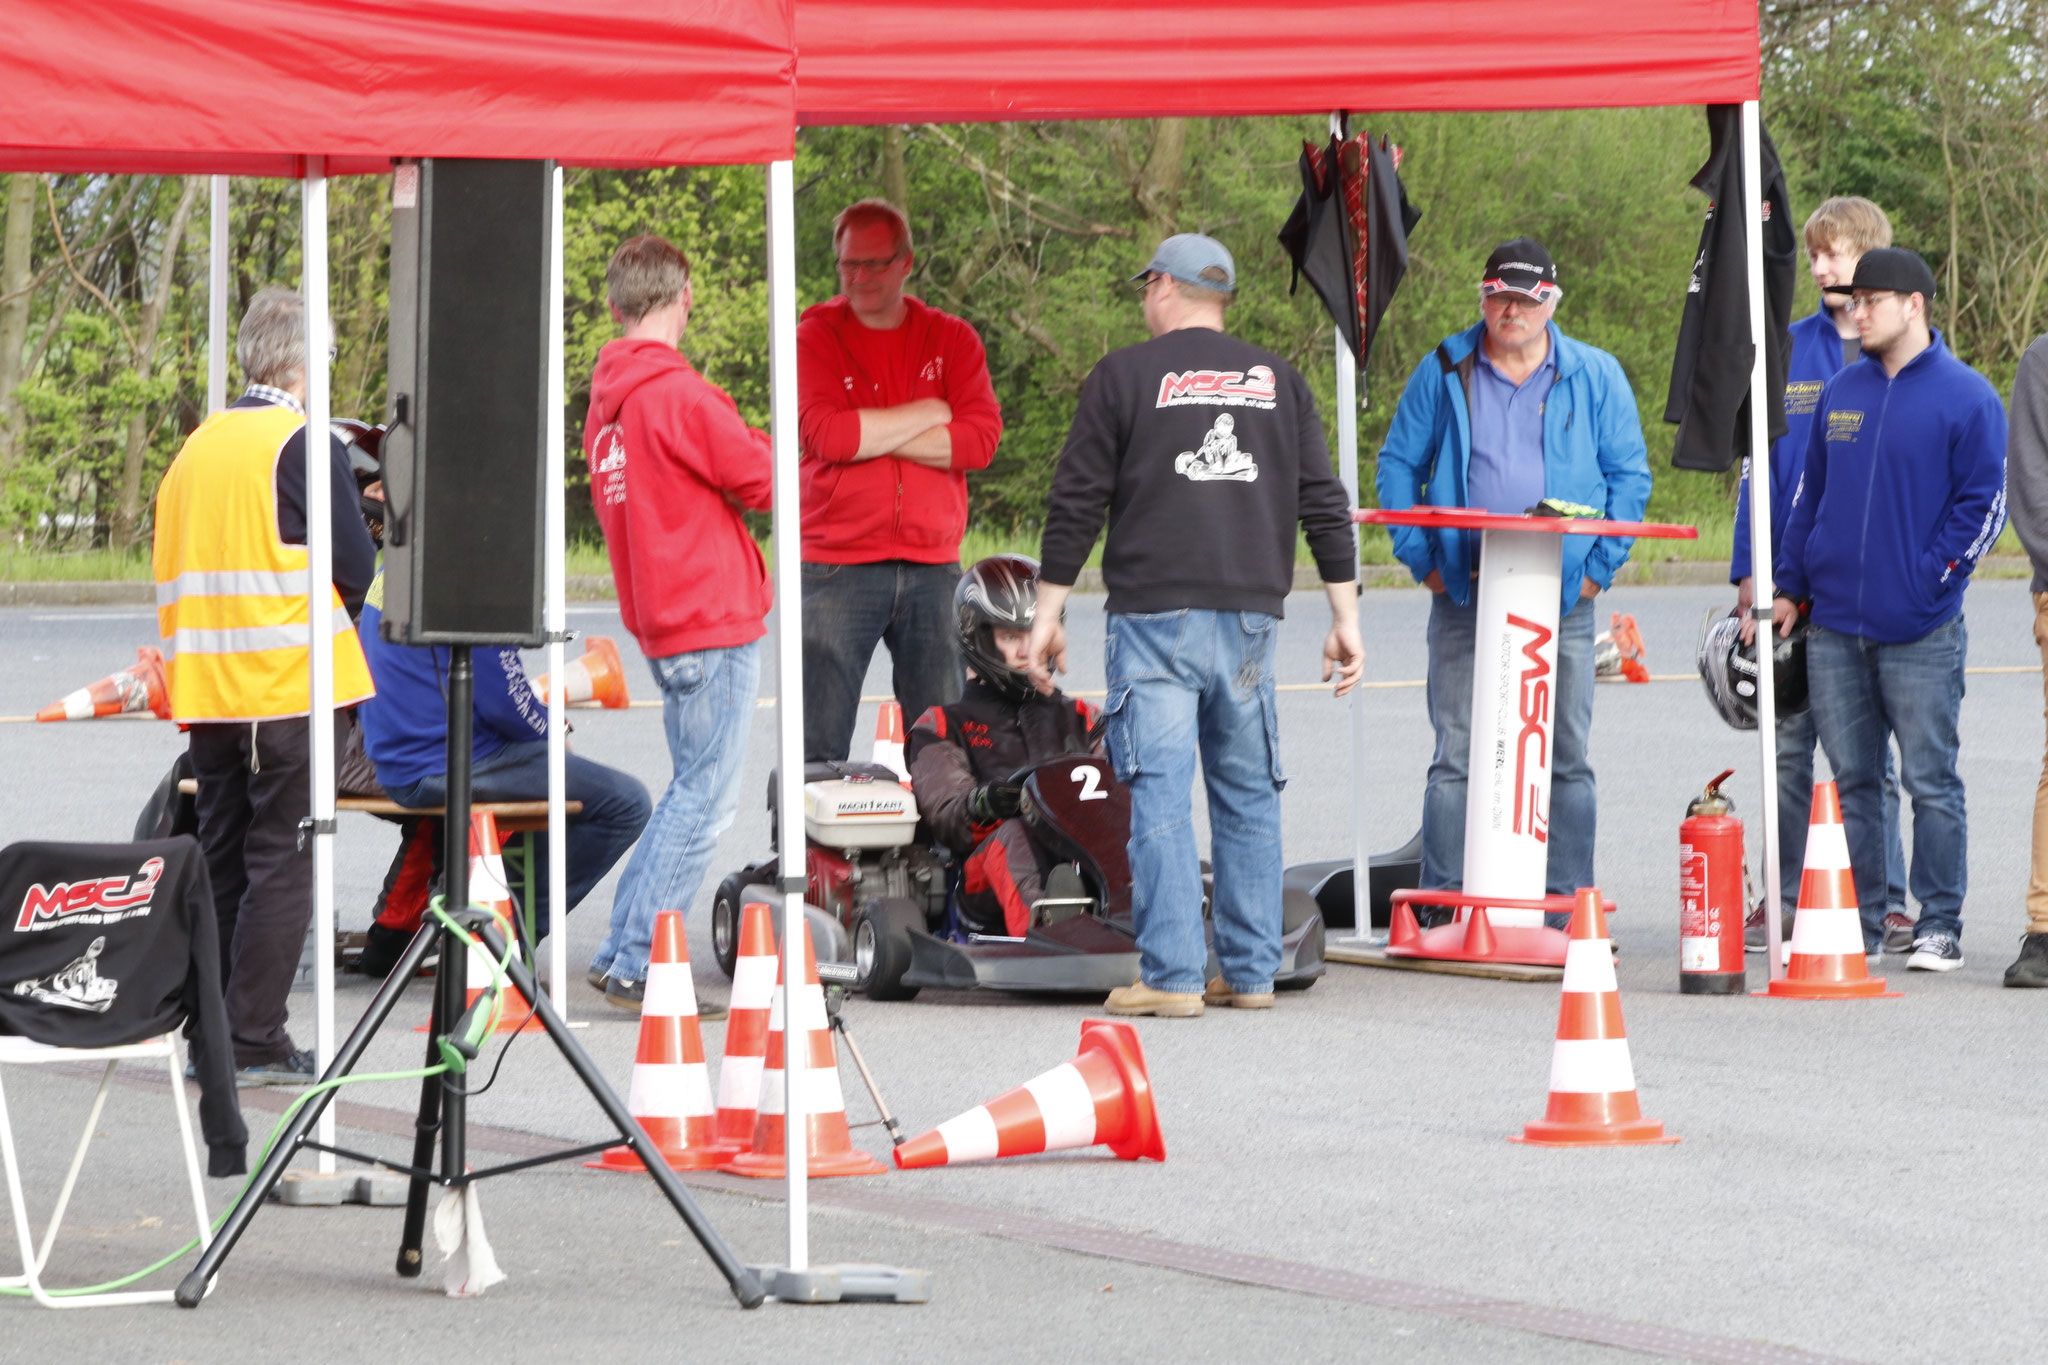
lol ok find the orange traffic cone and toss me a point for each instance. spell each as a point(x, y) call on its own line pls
point(1629, 641)
point(671, 1092)
point(1826, 952)
point(746, 1032)
point(1592, 1086)
point(889, 739)
point(828, 1144)
point(138, 687)
point(595, 679)
point(488, 888)
point(1103, 1096)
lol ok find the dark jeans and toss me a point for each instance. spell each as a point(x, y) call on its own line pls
point(615, 809)
point(254, 788)
point(848, 608)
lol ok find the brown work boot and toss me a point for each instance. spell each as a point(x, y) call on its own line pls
point(1219, 993)
point(1139, 998)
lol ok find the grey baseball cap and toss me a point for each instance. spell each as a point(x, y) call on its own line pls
point(1193, 259)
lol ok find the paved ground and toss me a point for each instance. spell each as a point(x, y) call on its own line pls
point(1843, 1187)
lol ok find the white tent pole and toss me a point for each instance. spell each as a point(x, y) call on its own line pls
point(320, 616)
point(789, 683)
point(557, 626)
point(1760, 524)
point(217, 300)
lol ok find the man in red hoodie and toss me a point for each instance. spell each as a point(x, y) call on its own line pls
point(895, 406)
point(672, 466)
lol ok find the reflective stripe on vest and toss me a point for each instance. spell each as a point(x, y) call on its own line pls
point(231, 597)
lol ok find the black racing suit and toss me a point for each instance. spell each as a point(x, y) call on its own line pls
point(987, 737)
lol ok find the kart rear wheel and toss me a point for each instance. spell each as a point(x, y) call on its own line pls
point(881, 947)
point(725, 923)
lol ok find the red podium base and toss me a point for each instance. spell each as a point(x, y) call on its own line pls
point(1477, 938)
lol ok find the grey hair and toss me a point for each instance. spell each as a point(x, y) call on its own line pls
point(271, 347)
point(1216, 291)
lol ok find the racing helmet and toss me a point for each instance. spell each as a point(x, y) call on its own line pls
point(1728, 670)
point(998, 593)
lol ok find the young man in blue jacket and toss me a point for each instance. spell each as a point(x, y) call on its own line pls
point(1837, 234)
point(1501, 416)
point(1902, 493)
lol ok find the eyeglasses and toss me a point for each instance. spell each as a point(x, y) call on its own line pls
point(1866, 302)
point(1142, 285)
point(853, 267)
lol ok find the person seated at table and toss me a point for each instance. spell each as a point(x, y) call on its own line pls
point(405, 733)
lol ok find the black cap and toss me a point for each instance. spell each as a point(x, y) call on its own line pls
point(1889, 267)
point(1523, 267)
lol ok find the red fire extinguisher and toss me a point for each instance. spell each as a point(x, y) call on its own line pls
point(1710, 877)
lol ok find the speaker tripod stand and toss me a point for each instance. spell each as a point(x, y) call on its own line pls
point(443, 1111)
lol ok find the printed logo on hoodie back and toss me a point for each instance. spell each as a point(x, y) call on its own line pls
point(610, 470)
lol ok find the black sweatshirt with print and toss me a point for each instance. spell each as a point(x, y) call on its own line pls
point(1206, 452)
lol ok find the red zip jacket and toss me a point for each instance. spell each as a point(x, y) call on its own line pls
point(887, 508)
point(671, 465)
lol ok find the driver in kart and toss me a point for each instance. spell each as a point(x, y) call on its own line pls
point(965, 756)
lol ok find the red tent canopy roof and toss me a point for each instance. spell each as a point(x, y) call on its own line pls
point(248, 87)
point(901, 61)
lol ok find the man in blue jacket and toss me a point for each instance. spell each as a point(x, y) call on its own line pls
point(1902, 493)
point(1837, 234)
point(1502, 416)
point(406, 737)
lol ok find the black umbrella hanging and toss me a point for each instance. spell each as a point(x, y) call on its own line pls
point(1348, 233)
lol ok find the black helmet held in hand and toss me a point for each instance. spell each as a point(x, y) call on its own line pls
point(1728, 669)
point(998, 593)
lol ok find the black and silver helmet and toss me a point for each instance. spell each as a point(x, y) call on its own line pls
point(1728, 670)
point(998, 593)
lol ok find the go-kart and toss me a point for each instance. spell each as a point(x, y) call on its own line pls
point(884, 895)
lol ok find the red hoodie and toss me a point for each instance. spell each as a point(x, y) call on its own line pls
point(887, 508)
point(671, 464)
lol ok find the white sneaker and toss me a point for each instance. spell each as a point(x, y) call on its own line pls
point(1935, 953)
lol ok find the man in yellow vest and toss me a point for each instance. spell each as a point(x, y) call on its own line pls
point(231, 590)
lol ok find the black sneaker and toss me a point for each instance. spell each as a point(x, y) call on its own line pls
point(1935, 952)
point(1898, 932)
point(1754, 930)
point(2031, 967)
point(596, 978)
point(623, 994)
point(382, 947)
point(297, 1069)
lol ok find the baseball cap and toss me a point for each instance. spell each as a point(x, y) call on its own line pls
point(1186, 255)
point(1522, 267)
point(1889, 267)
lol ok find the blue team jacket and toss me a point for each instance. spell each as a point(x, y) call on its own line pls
point(1593, 453)
point(1816, 358)
point(1902, 493)
point(405, 726)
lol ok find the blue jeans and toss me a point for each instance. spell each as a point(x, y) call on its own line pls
point(1795, 807)
point(1574, 797)
point(614, 812)
point(1179, 682)
point(1866, 694)
point(848, 610)
point(707, 709)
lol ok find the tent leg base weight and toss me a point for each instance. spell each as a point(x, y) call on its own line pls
point(854, 1282)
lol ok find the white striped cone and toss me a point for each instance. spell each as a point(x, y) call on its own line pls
point(1592, 1084)
point(1824, 960)
point(889, 739)
point(828, 1143)
point(746, 1031)
point(1104, 1095)
point(670, 1095)
point(489, 888)
point(136, 688)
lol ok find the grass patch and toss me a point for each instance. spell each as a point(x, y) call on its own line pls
point(20, 564)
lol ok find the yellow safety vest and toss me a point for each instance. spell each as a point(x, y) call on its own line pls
point(231, 596)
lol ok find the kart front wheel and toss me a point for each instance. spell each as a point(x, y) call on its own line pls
point(725, 923)
point(881, 947)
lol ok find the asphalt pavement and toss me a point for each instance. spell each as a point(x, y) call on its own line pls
point(1851, 1182)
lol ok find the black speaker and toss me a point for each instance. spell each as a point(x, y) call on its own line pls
point(464, 461)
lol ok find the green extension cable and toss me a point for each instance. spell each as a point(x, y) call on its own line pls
point(455, 1058)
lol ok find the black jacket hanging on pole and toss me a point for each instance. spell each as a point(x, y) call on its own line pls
point(1351, 189)
point(108, 944)
point(1710, 373)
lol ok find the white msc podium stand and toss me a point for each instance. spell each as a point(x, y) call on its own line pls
point(1499, 910)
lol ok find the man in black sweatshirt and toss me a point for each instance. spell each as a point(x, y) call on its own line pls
point(1206, 454)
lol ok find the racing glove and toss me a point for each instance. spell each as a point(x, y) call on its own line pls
point(993, 801)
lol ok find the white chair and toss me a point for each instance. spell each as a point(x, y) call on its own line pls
point(18, 1051)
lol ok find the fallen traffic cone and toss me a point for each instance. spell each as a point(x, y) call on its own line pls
point(1826, 953)
point(138, 687)
point(1592, 1086)
point(670, 1097)
point(1103, 1096)
point(746, 1032)
point(488, 889)
point(595, 679)
point(889, 739)
point(1634, 658)
point(828, 1145)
